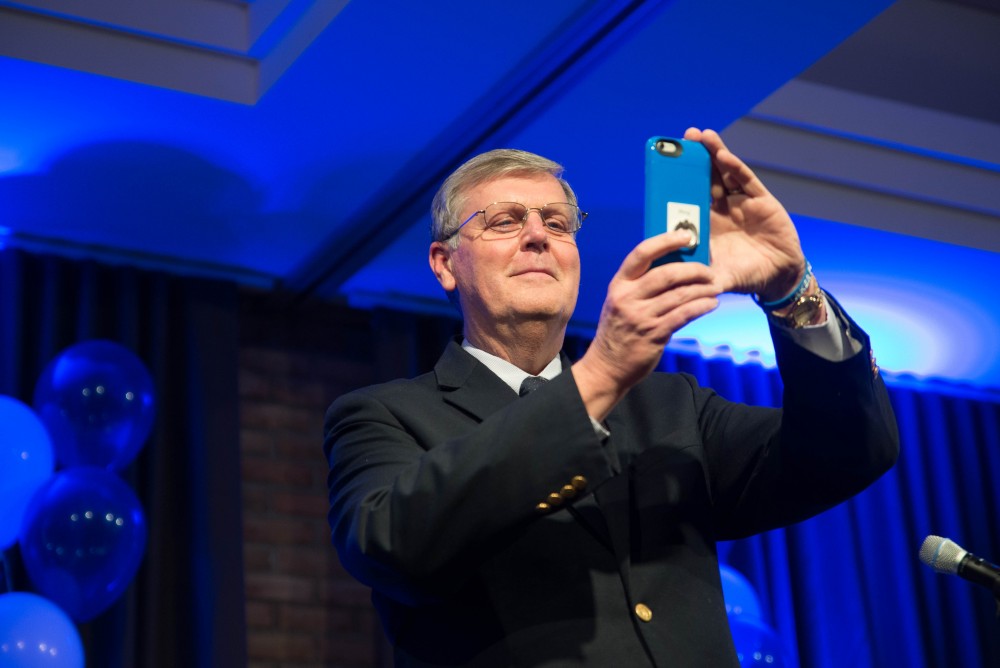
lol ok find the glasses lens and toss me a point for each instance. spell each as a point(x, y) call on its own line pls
point(561, 218)
point(504, 219)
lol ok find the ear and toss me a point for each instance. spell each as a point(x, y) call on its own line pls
point(439, 257)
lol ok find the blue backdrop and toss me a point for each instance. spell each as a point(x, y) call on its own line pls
point(846, 588)
point(842, 589)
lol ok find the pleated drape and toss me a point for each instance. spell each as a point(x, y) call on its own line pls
point(185, 606)
point(846, 588)
point(842, 589)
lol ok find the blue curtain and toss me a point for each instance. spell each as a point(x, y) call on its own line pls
point(846, 588)
point(842, 589)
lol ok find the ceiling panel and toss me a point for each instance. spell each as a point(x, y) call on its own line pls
point(876, 129)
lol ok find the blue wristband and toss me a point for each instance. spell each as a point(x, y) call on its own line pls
point(792, 296)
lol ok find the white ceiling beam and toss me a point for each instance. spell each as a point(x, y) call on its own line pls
point(840, 156)
point(228, 50)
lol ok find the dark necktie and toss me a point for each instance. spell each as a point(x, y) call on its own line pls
point(531, 383)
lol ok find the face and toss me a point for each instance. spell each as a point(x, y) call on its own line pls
point(507, 282)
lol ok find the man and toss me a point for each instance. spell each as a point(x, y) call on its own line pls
point(576, 525)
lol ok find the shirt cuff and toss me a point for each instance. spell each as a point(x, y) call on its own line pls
point(599, 429)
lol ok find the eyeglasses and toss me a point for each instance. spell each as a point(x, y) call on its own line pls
point(502, 220)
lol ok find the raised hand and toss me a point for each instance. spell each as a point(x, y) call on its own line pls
point(755, 248)
point(642, 310)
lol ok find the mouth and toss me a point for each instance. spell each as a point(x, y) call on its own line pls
point(533, 271)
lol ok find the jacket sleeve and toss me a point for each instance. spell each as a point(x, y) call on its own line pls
point(421, 492)
point(834, 436)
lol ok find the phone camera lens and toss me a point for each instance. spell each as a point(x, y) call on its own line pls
point(668, 148)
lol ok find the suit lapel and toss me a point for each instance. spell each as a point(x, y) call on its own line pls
point(468, 385)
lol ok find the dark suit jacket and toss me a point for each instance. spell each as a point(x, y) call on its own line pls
point(435, 484)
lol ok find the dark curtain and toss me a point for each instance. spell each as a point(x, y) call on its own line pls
point(842, 589)
point(846, 588)
point(185, 606)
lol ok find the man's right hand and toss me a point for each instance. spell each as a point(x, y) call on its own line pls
point(643, 309)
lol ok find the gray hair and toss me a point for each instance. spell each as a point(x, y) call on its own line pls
point(498, 163)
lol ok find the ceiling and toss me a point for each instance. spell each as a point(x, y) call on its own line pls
point(295, 145)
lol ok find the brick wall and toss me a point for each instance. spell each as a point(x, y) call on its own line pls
point(302, 609)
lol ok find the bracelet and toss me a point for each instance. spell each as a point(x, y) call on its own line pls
point(792, 296)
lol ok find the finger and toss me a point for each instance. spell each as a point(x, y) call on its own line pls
point(669, 323)
point(665, 287)
point(671, 308)
point(723, 183)
point(729, 167)
point(735, 175)
point(641, 258)
point(679, 296)
point(671, 275)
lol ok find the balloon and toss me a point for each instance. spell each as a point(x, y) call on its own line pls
point(739, 594)
point(96, 398)
point(26, 462)
point(35, 633)
point(82, 540)
point(756, 643)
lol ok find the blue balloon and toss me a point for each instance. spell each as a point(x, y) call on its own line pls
point(82, 540)
point(756, 643)
point(739, 594)
point(96, 398)
point(26, 462)
point(36, 633)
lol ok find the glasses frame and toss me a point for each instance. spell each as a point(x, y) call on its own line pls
point(528, 209)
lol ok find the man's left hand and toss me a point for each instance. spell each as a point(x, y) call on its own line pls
point(755, 248)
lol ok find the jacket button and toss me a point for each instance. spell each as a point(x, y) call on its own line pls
point(567, 492)
point(542, 507)
point(643, 612)
point(578, 482)
point(554, 499)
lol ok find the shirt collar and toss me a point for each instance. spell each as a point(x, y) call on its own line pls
point(509, 373)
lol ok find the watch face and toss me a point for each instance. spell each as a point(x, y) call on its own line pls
point(804, 311)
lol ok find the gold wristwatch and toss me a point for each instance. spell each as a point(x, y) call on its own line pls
point(803, 312)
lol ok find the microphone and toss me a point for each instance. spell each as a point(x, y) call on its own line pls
point(945, 556)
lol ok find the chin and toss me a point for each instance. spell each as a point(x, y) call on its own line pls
point(546, 311)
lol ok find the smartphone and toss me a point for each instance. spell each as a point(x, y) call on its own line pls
point(678, 194)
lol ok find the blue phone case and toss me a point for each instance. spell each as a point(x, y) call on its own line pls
point(678, 194)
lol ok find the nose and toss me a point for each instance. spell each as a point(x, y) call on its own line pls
point(534, 234)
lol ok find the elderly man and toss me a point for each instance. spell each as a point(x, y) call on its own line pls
point(576, 525)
